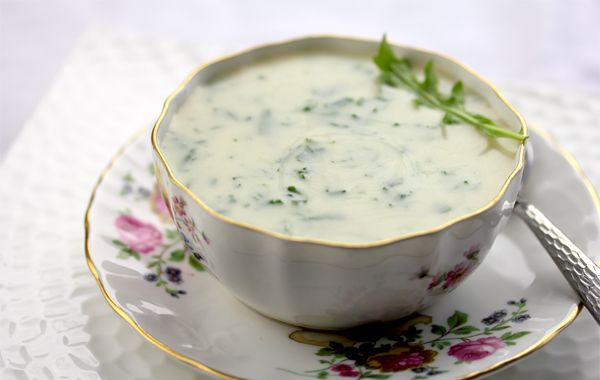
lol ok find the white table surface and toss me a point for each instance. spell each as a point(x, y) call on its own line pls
point(533, 41)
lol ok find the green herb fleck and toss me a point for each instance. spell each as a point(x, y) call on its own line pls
point(275, 202)
point(302, 173)
point(395, 183)
point(403, 196)
point(338, 125)
point(444, 209)
point(231, 115)
point(310, 149)
point(341, 102)
point(324, 217)
point(335, 192)
point(191, 155)
point(397, 72)
point(292, 189)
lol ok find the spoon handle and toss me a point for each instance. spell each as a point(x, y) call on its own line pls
point(580, 271)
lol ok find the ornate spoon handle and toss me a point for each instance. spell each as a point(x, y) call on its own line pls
point(580, 271)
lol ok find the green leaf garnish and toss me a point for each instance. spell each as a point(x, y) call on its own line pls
point(397, 72)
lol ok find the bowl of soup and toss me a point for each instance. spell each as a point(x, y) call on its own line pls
point(323, 190)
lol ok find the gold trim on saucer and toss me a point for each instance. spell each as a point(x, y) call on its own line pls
point(324, 242)
point(123, 314)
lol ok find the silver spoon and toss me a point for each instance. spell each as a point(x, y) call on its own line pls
point(580, 271)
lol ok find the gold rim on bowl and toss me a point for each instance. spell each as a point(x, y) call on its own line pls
point(332, 243)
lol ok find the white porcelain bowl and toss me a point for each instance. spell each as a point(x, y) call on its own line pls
point(325, 284)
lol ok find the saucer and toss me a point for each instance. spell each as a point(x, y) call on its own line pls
point(516, 302)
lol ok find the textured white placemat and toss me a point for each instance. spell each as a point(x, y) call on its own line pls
point(53, 321)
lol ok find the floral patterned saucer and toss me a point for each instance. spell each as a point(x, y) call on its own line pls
point(515, 303)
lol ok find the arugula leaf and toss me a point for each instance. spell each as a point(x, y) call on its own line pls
point(385, 57)
point(397, 72)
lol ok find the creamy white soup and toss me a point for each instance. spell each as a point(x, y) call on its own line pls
point(311, 144)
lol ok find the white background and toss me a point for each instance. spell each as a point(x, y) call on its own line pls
point(525, 41)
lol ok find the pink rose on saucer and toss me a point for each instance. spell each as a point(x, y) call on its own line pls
point(476, 349)
point(137, 235)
